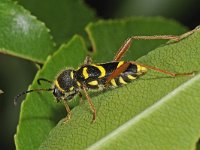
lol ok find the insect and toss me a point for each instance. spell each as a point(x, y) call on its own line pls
point(70, 83)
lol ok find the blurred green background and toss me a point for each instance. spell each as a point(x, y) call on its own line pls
point(17, 74)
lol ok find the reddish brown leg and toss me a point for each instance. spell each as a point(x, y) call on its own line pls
point(162, 71)
point(90, 103)
point(124, 48)
point(124, 66)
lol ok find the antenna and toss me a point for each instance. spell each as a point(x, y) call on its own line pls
point(43, 79)
point(25, 92)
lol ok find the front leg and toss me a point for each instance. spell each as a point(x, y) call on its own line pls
point(64, 101)
point(84, 88)
point(68, 117)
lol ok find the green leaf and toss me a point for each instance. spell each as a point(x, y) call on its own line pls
point(174, 121)
point(108, 36)
point(64, 17)
point(171, 123)
point(39, 113)
point(23, 35)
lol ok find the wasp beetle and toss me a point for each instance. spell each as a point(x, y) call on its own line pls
point(99, 76)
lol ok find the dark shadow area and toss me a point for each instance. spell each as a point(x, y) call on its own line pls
point(198, 145)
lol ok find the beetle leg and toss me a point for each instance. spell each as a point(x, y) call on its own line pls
point(68, 117)
point(90, 103)
point(163, 71)
point(124, 48)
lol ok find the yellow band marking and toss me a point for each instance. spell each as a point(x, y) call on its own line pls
point(101, 69)
point(141, 69)
point(93, 82)
point(113, 82)
point(71, 88)
point(72, 74)
point(131, 77)
point(78, 83)
point(58, 86)
point(120, 63)
point(121, 80)
point(85, 74)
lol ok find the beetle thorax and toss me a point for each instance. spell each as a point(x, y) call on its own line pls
point(66, 81)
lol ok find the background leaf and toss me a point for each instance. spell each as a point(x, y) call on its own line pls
point(108, 36)
point(39, 113)
point(23, 35)
point(64, 17)
point(116, 107)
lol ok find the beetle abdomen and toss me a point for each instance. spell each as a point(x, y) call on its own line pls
point(95, 75)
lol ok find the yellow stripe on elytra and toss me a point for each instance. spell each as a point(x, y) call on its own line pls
point(120, 63)
point(93, 82)
point(85, 73)
point(141, 69)
point(58, 86)
point(101, 69)
point(72, 74)
point(131, 77)
point(113, 82)
point(121, 80)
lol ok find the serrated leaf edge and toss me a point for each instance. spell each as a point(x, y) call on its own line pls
point(26, 11)
point(38, 75)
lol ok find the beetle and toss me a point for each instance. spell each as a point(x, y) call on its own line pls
point(72, 82)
